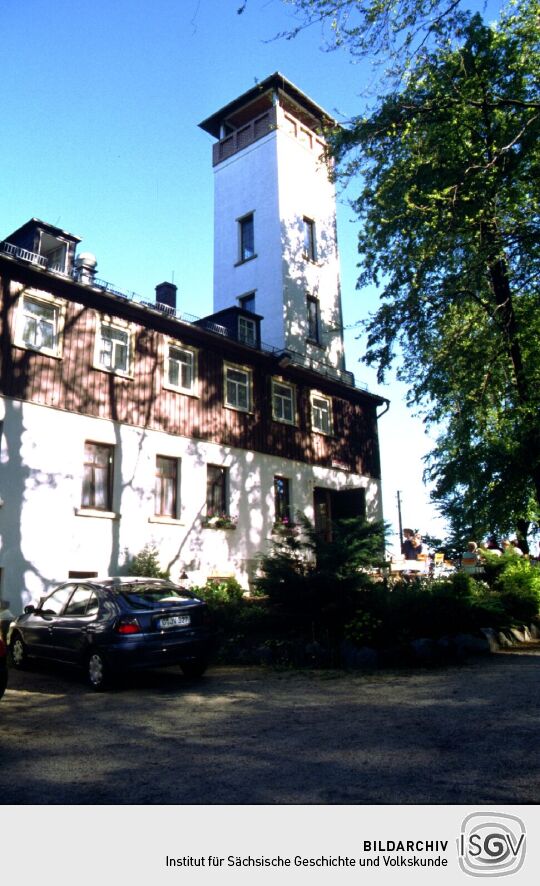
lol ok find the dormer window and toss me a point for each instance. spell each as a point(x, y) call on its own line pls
point(247, 331)
point(55, 251)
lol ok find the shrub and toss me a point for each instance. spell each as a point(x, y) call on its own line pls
point(518, 584)
point(314, 586)
point(146, 564)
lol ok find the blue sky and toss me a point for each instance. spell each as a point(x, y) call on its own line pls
point(101, 103)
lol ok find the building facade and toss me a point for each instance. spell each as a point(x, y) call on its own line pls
point(125, 424)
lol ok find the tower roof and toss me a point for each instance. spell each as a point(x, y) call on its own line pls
point(261, 95)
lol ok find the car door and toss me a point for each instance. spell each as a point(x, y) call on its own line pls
point(38, 627)
point(69, 632)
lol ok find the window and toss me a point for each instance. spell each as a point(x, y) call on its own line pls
point(282, 504)
point(98, 476)
point(313, 324)
point(40, 324)
point(166, 488)
point(238, 388)
point(283, 402)
point(113, 348)
point(247, 331)
point(310, 243)
point(180, 369)
point(56, 602)
point(246, 232)
point(83, 603)
point(217, 504)
point(321, 413)
point(247, 302)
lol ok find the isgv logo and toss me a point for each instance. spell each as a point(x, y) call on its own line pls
point(491, 844)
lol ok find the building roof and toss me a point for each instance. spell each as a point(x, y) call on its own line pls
point(266, 87)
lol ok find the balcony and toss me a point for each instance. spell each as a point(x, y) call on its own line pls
point(244, 136)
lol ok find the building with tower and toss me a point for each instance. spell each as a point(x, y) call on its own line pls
point(126, 422)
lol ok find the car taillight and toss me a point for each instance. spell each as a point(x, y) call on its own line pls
point(128, 626)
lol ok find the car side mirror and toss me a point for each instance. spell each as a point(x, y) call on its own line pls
point(28, 609)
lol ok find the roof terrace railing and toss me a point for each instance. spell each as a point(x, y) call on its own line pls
point(290, 356)
point(23, 254)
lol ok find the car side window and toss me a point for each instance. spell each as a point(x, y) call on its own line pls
point(83, 603)
point(53, 604)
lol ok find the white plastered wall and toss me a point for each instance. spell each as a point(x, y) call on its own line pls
point(281, 180)
point(44, 533)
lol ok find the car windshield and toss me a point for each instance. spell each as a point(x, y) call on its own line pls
point(150, 596)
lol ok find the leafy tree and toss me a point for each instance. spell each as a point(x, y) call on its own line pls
point(384, 29)
point(449, 206)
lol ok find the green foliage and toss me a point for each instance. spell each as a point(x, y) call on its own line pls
point(448, 203)
point(146, 564)
point(383, 29)
point(518, 584)
point(314, 585)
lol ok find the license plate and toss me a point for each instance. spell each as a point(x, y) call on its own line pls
point(174, 621)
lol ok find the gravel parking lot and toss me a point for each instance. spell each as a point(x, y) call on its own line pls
point(458, 735)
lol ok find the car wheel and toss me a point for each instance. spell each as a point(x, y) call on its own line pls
point(97, 671)
point(194, 668)
point(19, 656)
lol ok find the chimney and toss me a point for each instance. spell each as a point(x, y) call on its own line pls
point(166, 295)
point(85, 267)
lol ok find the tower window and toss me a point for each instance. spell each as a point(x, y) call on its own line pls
point(310, 242)
point(247, 302)
point(246, 230)
point(313, 319)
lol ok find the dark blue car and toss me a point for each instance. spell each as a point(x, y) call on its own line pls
point(115, 624)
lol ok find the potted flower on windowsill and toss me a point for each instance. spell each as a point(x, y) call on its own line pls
point(219, 521)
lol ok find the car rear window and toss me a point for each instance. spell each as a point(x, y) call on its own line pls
point(150, 596)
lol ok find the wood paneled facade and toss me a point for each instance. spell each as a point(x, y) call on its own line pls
point(71, 382)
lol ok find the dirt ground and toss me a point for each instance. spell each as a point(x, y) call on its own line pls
point(456, 735)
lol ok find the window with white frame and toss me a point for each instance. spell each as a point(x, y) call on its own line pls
point(180, 368)
point(283, 402)
point(113, 347)
point(247, 331)
point(40, 322)
point(321, 413)
point(238, 383)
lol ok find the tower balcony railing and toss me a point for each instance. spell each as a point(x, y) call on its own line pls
point(244, 136)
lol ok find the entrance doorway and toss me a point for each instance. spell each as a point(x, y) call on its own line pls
point(330, 506)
